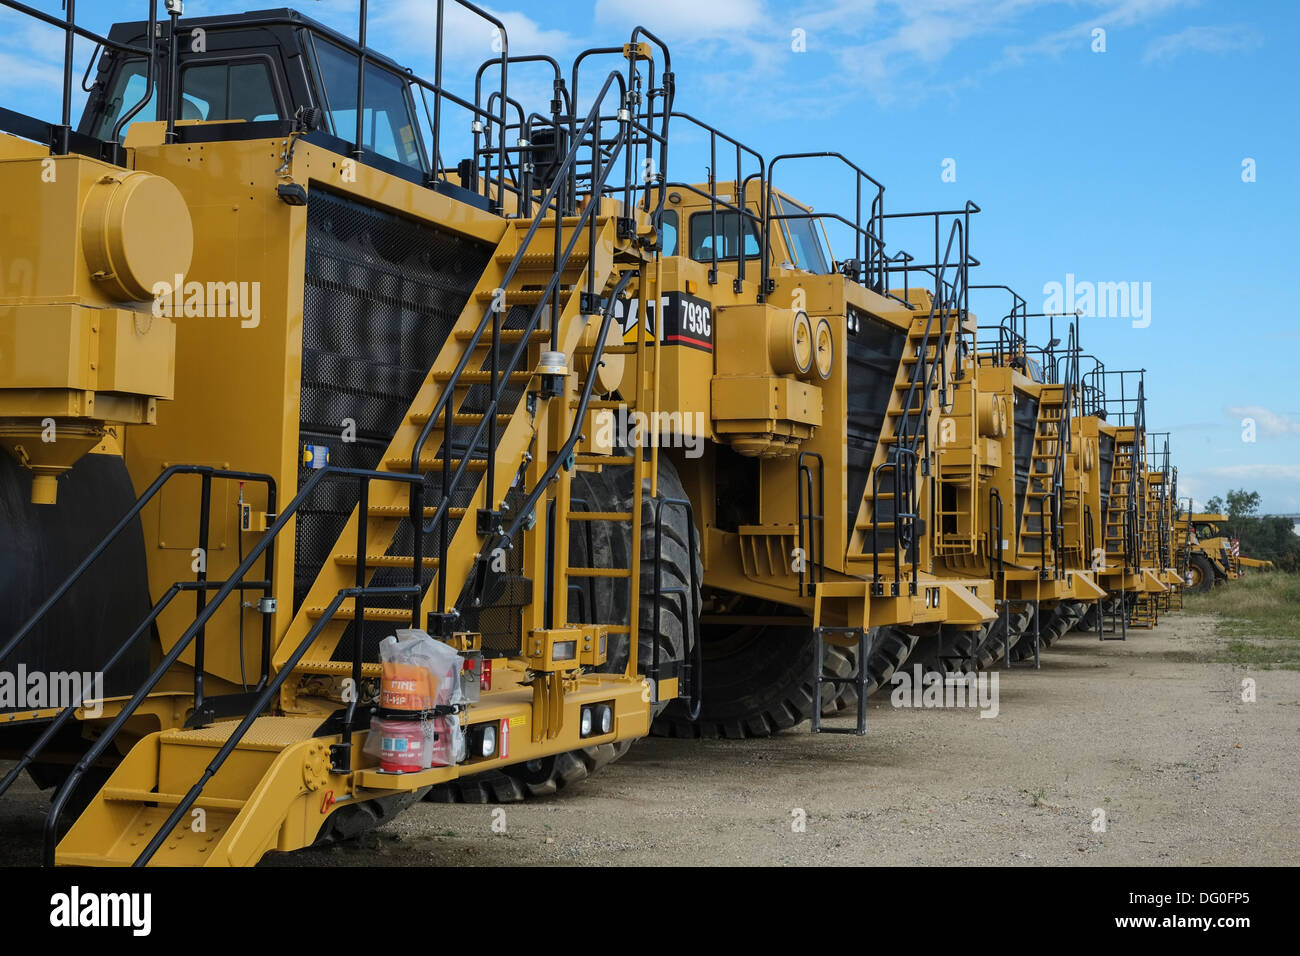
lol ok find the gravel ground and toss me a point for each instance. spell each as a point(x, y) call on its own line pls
point(1147, 731)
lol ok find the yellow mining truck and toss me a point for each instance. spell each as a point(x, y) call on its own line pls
point(823, 420)
point(1032, 475)
point(1127, 523)
point(1159, 547)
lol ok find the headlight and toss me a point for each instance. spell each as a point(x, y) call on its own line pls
point(584, 723)
point(483, 740)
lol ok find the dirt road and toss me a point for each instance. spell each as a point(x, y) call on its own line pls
point(1147, 731)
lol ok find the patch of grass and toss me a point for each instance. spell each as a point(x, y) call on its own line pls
point(1260, 614)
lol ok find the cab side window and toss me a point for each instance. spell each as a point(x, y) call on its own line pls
point(704, 238)
point(228, 91)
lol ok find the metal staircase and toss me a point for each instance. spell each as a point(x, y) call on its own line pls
point(415, 552)
point(889, 524)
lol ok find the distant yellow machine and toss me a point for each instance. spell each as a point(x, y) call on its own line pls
point(1208, 556)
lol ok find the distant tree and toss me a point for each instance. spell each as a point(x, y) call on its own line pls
point(1242, 504)
point(1214, 506)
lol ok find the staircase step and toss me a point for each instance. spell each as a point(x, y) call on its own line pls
point(481, 378)
point(385, 561)
point(515, 297)
point(600, 572)
point(566, 222)
point(544, 258)
point(600, 516)
point(585, 459)
point(404, 511)
point(125, 795)
point(509, 336)
point(343, 668)
point(347, 613)
point(432, 463)
point(468, 421)
point(609, 350)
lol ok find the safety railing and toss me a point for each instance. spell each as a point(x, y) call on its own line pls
point(643, 104)
point(869, 265)
point(947, 309)
point(499, 372)
point(810, 511)
point(236, 581)
point(746, 220)
point(200, 586)
point(61, 137)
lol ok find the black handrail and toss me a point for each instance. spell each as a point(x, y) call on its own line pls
point(815, 517)
point(167, 474)
point(997, 566)
point(903, 459)
point(267, 540)
point(442, 407)
point(506, 534)
point(358, 593)
point(740, 208)
point(61, 144)
point(869, 241)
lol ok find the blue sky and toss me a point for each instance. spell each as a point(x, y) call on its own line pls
point(1117, 166)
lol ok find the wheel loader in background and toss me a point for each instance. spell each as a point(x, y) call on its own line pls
point(1205, 556)
point(287, 376)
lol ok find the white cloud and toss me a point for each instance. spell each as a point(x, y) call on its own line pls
point(1078, 36)
point(686, 20)
point(1267, 421)
point(1259, 472)
point(412, 23)
point(1226, 39)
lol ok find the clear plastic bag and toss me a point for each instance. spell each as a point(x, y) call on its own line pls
point(419, 673)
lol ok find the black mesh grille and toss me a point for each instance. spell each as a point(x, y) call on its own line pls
point(873, 355)
point(1025, 421)
point(381, 297)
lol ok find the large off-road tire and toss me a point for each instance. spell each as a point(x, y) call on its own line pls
point(1054, 624)
point(1201, 570)
point(678, 619)
point(891, 648)
point(757, 678)
point(1007, 629)
point(950, 650)
point(607, 544)
point(533, 778)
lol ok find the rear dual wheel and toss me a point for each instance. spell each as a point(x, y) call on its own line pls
point(1054, 624)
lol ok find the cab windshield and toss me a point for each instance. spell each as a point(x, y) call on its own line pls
point(803, 237)
point(388, 123)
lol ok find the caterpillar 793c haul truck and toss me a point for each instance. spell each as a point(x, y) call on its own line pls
point(280, 376)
